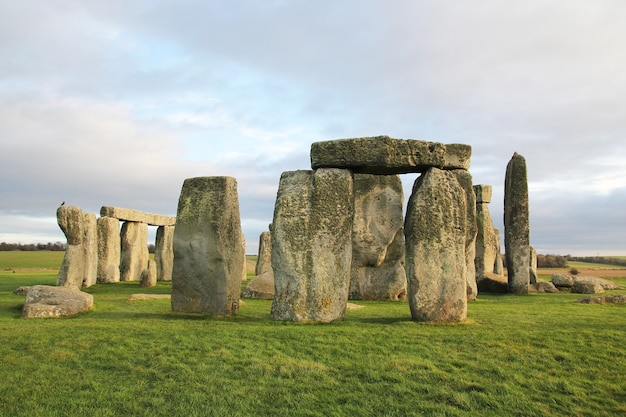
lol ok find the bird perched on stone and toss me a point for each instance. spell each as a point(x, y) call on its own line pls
point(63, 203)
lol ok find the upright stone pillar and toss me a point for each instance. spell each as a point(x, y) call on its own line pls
point(516, 225)
point(311, 245)
point(264, 260)
point(90, 247)
point(377, 269)
point(487, 239)
point(498, 268)
point(108, 249)
point(436, 243)
point(164, 252)
point(71, 222)
point(134, 250)
point(465, 180)
point(208, 248)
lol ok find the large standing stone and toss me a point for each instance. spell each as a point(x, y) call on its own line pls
point(516, 225)
point(436, 241)
point(264, 260)
point(46, 301)
point(208, 249)
point(487, 238)
point(90, 248)
point(377, 270)
point(134, 250)
point(385, 155)
point(79, 259)
point(109, 246)
point(311, 245)
point(164, 252)
point(465, 180)
point(148, 275)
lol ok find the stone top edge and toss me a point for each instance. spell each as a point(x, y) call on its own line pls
point(131, 215)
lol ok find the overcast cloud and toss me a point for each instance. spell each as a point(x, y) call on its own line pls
point(117, 102)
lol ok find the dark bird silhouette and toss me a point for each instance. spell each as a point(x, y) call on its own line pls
point(63, 203)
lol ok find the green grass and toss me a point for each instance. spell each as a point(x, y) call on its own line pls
point(574, 264)
point(535, 355)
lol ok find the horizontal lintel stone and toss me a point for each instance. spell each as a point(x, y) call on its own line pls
point(130, 215)
point(385, 155)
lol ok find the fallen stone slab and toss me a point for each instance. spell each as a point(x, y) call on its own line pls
point(130, 215)
point(140, 297)
point(260, 287)
point(48, 301)
point(542, 287)
point(494, 283)
point(605, 299)
point(385, 155)
point(587, 287)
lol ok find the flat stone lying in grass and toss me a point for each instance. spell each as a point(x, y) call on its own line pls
point(543, 286)
point(568, 281)
point(605, 299)
point(140, 297)
point(48, 301)
point(260, 287)
point(582, 287)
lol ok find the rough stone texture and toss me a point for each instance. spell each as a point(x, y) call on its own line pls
point(385, 155)
point(47, 301)
point(465, 180)
point(311, 245)
point(542, 287)
point(71, 222)
point(436, 235)
point(260, 287)
point(264, 260)
point(498, 268)
point(134, 250)
point(164, 252)
point(148, 275)
point(533, 266)
point(209, 253)
point(604, 283)
point(377, 269)
point(494, 283)
point(516, 225)
point(561, 280)
point(587, 287)
point(108, 249)
point(605, 299)
point(487, 239)
point(130, 215)
point(90, 248)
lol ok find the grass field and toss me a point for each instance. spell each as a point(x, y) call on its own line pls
point(535, 355)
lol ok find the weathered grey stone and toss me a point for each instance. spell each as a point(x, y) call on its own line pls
point(377, 269)
point(542, 287)
point(164, 252)
point(260, 287)
point(72, 271)
point(148, 275)
point(516, 225)
point(436, 236)
point(264, 260)
point(130, 215)
point(604, 283)
point(561, 280)
point(109, 245)
point(134, 250)
point(47, 301)
point(208, 250)
point(385, 155)
point(587, 287)
point(533, 266)
point(605, 299)
point(498, 268)
point(90, 249)
point(465, 180)
point(487, 237)
point(311, 245)
point(493, 283)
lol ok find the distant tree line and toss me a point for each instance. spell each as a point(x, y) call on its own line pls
point(552, 261)
point(57, 246)
point(599, 260)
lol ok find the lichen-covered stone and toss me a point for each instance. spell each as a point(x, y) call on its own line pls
point(517, 225)
point(385, 155)
point(79, 266)
point(148, 275)
point(90, 248)
point(377, 269)
point(130, 215)
point(260, 287)
point(48, 301)
point(465, 180)
point(109, 251)
point(436, 238)
point(209, 255)
point(311, 245)
point(134, 250)
point(264, 258)
point(487, 238)
point(164, 253)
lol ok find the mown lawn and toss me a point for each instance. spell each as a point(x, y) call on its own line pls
point(535, 355)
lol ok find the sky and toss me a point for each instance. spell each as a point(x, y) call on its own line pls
point(109, 102)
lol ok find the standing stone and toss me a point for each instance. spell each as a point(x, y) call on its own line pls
point(264, 260)
point(377, 269)
point(208, 248)
point(311, 245)
point(487, 239)
point(498, 267)
point(90, 248)
point(436, 238)
point(108, 249)
point(134, 250)
point(516, 225)
point(148, 275)
point(164, 252)
point(71, 222)
point(465, 180)
point(533, 265)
